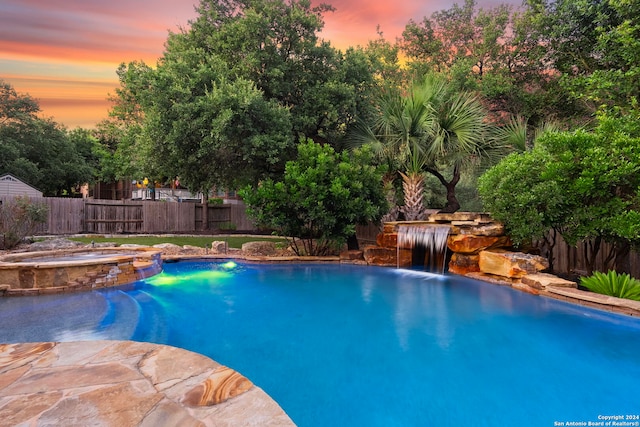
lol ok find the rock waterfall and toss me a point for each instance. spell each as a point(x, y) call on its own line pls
point(432, 238)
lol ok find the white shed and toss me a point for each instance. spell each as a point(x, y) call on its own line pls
point(12, 186)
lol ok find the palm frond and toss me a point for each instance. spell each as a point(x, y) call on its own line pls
point(459, 127)
point(513, 133)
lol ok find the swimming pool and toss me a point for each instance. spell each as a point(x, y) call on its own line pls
point(363, 346)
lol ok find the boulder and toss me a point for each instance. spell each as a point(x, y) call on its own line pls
point(102, 245)
point(493, 229)
point(387, 240)
point(351, 255)
point(169, 246)
point(53, 244)
point(260, 248)
point(218, 247)
point(511, 264)
point(471, 244)
point(388, 257)
point(464, 264)
point(477, 217)
point(390, 227)
point(192, 250)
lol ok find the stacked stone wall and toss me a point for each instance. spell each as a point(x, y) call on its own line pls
point(24, 278)
point(478, 247)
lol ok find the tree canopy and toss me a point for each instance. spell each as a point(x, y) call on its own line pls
point(501, 53)
point(239, 88)
point(583, 184)
point(433, 128)
point(40, 151)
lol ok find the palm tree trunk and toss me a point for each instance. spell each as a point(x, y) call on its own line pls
point(413, 186)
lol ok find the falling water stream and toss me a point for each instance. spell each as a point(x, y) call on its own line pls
point(432, 237)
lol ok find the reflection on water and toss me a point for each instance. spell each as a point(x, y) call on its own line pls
point(51, 317)
point(367, 286)
point(421, 308)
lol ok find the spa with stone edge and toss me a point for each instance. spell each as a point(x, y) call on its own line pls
point(49, 272)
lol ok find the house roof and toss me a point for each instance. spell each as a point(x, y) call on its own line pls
point(7, 177)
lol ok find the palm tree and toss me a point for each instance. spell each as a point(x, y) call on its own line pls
point(457, 140)
point(431, 129)
point(401, 124)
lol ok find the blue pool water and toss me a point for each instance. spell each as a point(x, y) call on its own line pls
point(339, 345)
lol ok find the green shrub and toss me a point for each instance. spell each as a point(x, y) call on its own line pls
point(613, 284)
point(215, 201)
point(19, 218)
point(320, 199)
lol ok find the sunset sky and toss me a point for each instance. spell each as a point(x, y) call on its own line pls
point(65, 52)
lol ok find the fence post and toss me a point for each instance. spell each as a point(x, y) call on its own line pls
point(205, 212)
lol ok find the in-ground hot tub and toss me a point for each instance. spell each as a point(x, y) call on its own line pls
point(46, 272)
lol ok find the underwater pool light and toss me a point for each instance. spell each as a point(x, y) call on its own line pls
point(229, 265)
point(162, 279)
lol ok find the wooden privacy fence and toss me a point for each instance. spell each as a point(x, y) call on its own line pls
point(74, 216)
point(571, 260)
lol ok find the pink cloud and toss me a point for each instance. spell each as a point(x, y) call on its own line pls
point(73, 34)
point(354, 22)
point(92, 29)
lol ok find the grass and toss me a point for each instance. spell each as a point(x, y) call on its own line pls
point(200, 241)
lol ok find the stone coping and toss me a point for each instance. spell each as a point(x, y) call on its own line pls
point(255, 258)
point(126, 383)
point(592, 299)
point(559, 289)
point(55, 257)
point(77, 269)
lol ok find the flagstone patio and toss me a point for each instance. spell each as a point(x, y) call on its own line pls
point(126, 383)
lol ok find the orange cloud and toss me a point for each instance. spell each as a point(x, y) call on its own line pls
point(72, 102)
point(76, 112)
point(80, 54)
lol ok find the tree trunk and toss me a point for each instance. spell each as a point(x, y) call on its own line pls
point(452, 201)
point(547, 246)
point(622, 262)
point(413, 186)
point(591, 250)
point(452, 204)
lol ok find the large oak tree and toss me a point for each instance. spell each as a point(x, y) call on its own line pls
point(236, 90)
